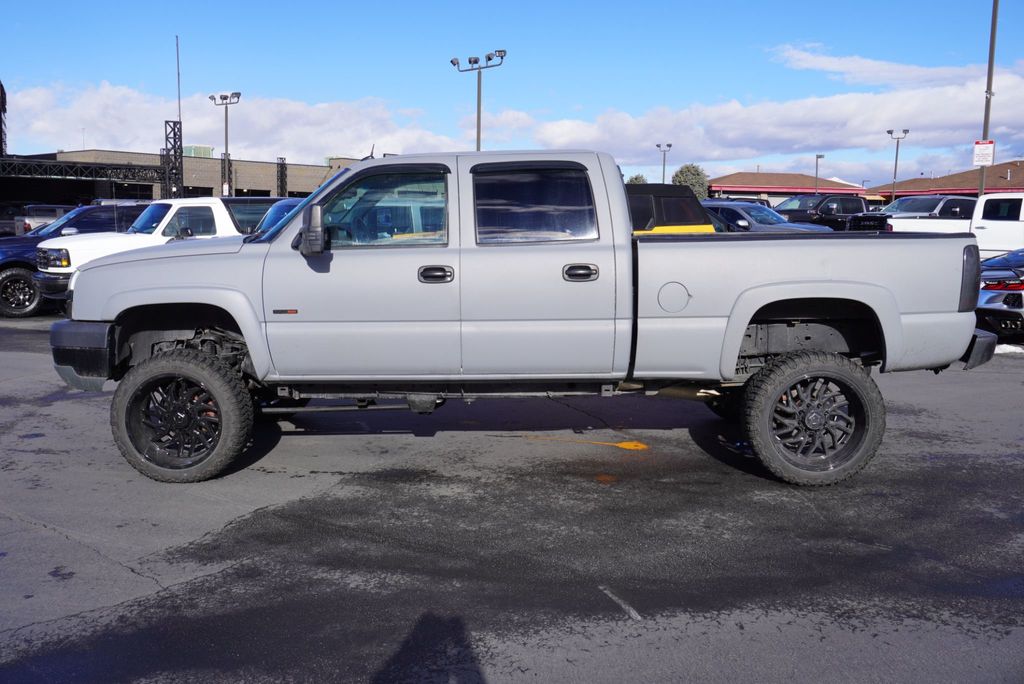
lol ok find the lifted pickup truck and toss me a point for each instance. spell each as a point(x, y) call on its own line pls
point(456, 276)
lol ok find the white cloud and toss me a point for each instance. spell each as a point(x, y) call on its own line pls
point(864, 71)
point(117, 117)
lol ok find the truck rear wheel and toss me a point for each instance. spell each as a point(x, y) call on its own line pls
point(814, 418)
point(181, 416)
point(19, 296)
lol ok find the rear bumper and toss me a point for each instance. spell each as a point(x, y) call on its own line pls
point(1004, 322)
point(52, 285)
point(981, 350)
point(83, 353)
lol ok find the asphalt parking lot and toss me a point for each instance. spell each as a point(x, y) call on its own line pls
point(513, 541)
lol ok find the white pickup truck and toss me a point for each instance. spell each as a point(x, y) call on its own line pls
point(997, 223)
point(162, 221)
point(425, 278)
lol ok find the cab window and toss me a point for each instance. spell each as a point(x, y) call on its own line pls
point(533, 205)
point(389, 209)
point(198, 221)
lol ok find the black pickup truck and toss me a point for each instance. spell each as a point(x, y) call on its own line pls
point(834, 211)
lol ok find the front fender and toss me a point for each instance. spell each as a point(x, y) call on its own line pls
point(235, 302)
point(879, 299)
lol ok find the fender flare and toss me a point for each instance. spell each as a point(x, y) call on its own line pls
point(234, 302)
point(879, 299)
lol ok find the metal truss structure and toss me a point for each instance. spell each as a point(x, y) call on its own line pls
point(282, 177)
point(47, 168)
point(172, 161)
point(3, 121)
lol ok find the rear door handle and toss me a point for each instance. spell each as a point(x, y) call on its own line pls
point(436, 274)
point(580, 272)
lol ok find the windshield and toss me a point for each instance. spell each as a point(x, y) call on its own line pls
point(54, 228)
point(799, 203)
point(247, 215)
point(271, 232)
point(276, 213)
point(150, 218)
point(764, 215)
point(923, 205)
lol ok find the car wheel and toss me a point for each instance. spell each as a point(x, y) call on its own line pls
point(181, 416)
point(814, 418)
point(19, 296)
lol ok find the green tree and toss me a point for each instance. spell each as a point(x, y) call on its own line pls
point(694, 176)
point(636, 179)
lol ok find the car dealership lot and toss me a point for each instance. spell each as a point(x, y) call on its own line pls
point(525, 540)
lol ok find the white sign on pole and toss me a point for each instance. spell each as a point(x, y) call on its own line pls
point(984, 152)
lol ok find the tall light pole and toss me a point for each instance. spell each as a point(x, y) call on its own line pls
point(475, 65)
point(817, 158)
point(988, 89)
point(225, 100)
point(664, 152)
point(896, 164)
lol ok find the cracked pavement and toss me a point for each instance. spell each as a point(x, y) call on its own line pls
point(529, 540)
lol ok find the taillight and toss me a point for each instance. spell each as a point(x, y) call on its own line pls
point(25, 227)
point(888, 227)
point(1008, 285)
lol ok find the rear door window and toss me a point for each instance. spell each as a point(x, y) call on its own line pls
point(1002, 209)
point(95, 221)
point(850, 205)
point(534, 205)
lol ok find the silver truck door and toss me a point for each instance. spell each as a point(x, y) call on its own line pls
point(538, 267)
point(383, 299)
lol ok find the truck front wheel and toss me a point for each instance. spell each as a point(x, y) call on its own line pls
point(181, 416)
point(814, 418)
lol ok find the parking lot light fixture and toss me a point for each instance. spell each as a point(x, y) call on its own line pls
point(225, 100)
point(817, 158)
point(664, 151)
point(895, 165)
point(475, 65)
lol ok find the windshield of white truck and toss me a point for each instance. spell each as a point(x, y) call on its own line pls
point(917, 205)
point(150, 218)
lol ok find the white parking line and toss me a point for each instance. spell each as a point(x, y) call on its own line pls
point(630, 611)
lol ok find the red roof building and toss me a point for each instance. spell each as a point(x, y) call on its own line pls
point(775, 187)
point(1005, 177)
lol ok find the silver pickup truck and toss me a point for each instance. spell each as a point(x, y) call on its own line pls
point(426, 278)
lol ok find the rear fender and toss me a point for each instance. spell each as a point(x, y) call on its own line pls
point(879, 299)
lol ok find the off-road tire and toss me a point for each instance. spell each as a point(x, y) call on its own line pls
point(817, 396)
point(19, 296)
point(185, 388)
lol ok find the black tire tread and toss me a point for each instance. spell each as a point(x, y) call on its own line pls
point(760, 387)
point(232, 443)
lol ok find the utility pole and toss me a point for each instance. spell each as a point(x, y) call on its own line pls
point(896, 164)
point(664, 153)
point(988, 89)
point(474, 65)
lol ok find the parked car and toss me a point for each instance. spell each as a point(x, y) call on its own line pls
point(277, 211)
point(39, 215)
point(666, 208)
point(756, 218)
point(8, 212)
point(948, 206)
point(997, 223)
point(19, 294)
point(438, 277)
point(833, 211)
point(755, 200)
point(1001, 302)
point(161, 222)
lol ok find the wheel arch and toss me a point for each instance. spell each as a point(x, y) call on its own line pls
point(190, 308)
point(843, 300)
point(18, 263)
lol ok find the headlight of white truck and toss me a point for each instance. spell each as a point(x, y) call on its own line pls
point(52, 258)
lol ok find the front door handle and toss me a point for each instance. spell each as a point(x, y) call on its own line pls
point(436, 274)
point(580, 272)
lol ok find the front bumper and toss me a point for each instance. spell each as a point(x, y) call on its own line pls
point(52, 285)
point(83, 353)
point(981, 349)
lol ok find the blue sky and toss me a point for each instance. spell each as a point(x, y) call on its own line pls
point(733, 85)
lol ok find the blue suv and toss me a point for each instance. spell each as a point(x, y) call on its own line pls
point(19, 296)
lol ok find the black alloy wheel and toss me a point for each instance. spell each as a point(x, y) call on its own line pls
point(19, 296)
point(181, 416)
point(814, 418)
